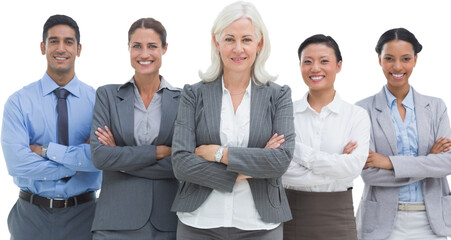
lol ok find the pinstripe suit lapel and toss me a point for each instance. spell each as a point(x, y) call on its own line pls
point(212, 100)
point(125, 113)
point(259, 106)
point(423, 116)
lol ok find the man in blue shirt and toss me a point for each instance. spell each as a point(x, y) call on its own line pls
point(45, 140)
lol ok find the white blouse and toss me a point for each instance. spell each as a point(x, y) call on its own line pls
point(319, 164)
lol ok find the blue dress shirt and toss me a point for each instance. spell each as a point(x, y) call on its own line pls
point(407, 141)
point(30, 118)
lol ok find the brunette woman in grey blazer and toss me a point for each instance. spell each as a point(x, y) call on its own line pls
point(230, 183)
point(406, 194)
point(131, 139)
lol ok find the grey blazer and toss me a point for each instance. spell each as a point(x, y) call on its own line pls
point(147, 188)
point(198, 123)
point(378, 207)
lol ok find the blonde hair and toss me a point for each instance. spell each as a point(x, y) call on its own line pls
point(227, 16)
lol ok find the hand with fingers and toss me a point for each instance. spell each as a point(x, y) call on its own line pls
point(162, 151)
point(350, 147)
point(105, 136)
point(441, 145)
point(275, 141)
point(378, 161)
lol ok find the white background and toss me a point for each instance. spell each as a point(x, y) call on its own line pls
point(355, 25)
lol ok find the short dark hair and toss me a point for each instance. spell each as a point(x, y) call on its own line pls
point(60, 19)
point(398, 34)
point(149, 23)
point(321, 38)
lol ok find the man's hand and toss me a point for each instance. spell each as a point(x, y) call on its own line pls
point(36, 149)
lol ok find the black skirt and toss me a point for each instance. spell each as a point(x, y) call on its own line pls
point(320, 215)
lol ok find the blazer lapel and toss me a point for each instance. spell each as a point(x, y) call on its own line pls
point(169, 106)
point(384, 120)
point(423, 116)
point(259, 106)
point(125, 113)
point(212, 100)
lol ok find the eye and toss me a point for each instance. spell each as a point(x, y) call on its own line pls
point(307, 62)
point(153, 46)
point(69, 42)
point(229, 39)
point(406, 59)
point(324, 61)
point(136, 46)
point(388, 59)
point(247, 40)
point(53, 41)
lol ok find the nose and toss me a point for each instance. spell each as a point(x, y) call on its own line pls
point(315, 67)
point(238, 48)
point(61, 47)
point(146, 52)
point(397, 66)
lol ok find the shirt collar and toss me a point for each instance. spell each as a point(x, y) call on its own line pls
point(247, 91)
point(163, 84)
point(333, 106)
point(407, 102)
point(48, 85)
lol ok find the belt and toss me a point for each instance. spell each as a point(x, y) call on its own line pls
point(411, 207)
point(57, 202)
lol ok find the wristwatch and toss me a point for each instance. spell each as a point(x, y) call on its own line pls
point(218, 154)
point(44, 151)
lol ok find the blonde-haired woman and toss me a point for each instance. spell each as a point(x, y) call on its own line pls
point(230, 183)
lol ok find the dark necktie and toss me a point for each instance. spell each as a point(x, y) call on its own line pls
point(63, 132)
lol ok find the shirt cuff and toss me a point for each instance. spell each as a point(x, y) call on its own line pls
point(56, 152)
point(302, 155)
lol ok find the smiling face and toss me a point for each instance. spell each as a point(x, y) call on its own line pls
point(397, 60)
point(238, 45)
point(146, 51)
point(319, 67)
point(60, 49)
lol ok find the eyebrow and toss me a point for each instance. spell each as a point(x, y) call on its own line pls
point(404, 55)
point(68, 38)
point(319, 57)
point(145, 43)
point(231, 35)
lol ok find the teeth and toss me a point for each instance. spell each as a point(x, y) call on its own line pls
point(317, 78)
point(238, 59)
point(146, 62)
point(60, 58)
point(397, 75)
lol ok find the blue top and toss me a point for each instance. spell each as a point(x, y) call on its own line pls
point(30, 118)
point(407, 141)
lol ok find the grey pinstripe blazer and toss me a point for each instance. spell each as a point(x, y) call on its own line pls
point(147, 188)
point(198, 123)
point(378, 207)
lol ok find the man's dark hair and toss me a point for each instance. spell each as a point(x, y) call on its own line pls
point(58, 20)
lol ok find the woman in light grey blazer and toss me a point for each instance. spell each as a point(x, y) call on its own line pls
point(230, 183)
point(131, 139)
point(406, 194)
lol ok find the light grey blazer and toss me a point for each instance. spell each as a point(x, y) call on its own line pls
point(376, 215)
point(147, 188)
point(198, 123)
